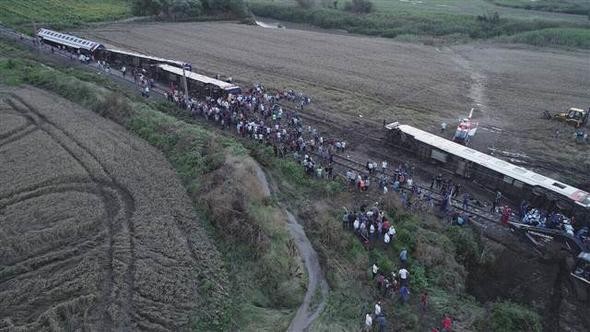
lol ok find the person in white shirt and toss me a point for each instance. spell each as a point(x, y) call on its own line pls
point(403, 276)
point(386, 238)
point(391, 232)
point(374, 269)
point(368, 322)
point(378, 308)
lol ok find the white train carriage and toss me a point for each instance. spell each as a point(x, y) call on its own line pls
point(68, 42)
point(198, 85)
point(515, 181)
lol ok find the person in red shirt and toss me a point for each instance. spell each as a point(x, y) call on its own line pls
point(506, 215)
point(424, 301)
point(447, 323)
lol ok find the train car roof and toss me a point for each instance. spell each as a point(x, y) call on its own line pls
point(503, 167)
point(200, 78)
point(145, 56)
point(68, 40)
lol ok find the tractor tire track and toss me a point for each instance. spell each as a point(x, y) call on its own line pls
point(116, 215)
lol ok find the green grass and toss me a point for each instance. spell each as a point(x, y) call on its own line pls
point(395, 19)
point(579, 7)
point(508, 316)
point(567, 37)
point(60, 14)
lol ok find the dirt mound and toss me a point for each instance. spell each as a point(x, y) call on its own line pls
point(97, 232)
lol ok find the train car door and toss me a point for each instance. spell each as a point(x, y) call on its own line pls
point(460, 168)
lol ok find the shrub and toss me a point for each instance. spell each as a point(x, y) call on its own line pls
point(359, 6)
point(508, 316)
point(305, 3)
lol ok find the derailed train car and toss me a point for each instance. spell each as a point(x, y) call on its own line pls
point(68, 42)
point(198, 85)
point(513, 181)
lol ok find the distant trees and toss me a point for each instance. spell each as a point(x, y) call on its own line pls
point(359, 6)
point(188, 8)
point(306, 3)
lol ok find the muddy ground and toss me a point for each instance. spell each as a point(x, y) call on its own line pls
point(378, 79)
point(97, 232)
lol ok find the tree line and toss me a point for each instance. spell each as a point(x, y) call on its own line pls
point(179, 9)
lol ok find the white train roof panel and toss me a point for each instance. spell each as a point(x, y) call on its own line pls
point(200, 78)
point(140, 55)
point(68, 40)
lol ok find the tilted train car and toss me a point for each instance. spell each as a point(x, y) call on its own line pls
point(69, 42)
point(118, 58)
point(513, 181)
point(198, 85)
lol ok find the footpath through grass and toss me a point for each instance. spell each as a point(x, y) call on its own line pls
point(439, 26)
point(60, 14)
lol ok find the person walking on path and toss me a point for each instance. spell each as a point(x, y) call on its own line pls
point(403, 257)
point(403, 276)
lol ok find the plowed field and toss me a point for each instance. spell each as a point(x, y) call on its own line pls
point(348, 76)
point(96, 232)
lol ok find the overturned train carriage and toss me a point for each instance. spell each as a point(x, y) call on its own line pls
point(69, 42)
point(198, 85)
point(513, 181)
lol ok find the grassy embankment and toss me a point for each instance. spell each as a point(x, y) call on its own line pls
point(264, 274)
point(431, 26)
point(60, 14)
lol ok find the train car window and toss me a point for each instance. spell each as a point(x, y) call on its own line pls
point(508, 179)
point(518, 184)
point(559, 185)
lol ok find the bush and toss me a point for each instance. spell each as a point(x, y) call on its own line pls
point(188, 8)
point(305, 3)
point(508, 316)
point(359, 6)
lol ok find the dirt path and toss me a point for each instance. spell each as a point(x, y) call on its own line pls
point(312, 306)
point(308, 311)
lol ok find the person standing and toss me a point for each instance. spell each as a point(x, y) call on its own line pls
point(404, 294)
point(403, 256)
point(423, 302)
point(447, 323)
point(465, 201)
point(496, 201)
point(403, 276)
point(368, 322)
point(374, 270)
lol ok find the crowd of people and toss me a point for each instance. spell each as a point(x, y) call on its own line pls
point(258, 114)
point(552, 220)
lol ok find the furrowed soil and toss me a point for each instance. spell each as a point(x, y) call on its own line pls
point(97, 233)
point(358, 82)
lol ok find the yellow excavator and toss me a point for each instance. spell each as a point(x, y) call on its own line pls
point(574, 116)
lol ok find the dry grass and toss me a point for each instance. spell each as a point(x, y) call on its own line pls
point(97, 231)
